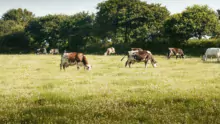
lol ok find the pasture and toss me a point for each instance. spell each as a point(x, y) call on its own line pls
point(34, 90)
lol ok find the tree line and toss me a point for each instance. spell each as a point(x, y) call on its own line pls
point(119, 23)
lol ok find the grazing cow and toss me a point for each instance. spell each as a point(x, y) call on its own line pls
point(140, 56)
point(212, 52)
point(136, 49)
point(54, 51)
point(109, 51)
point(133, 50)
point(74, 58)
point(41, 51)
point(175, 51)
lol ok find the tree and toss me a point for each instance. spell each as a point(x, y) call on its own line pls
point(218, 12)
point(195, 21)
point(21, 16)
point(125, 18)
point(45, 28)
point(78, 29)
point(11, 35)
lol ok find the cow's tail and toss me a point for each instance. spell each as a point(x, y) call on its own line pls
point(123, 57)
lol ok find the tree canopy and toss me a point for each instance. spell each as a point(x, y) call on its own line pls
point(122, 23)
point(195, 21)
point(21, 16)
point(128, 19)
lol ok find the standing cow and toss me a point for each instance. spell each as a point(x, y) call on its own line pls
point(133, 50)
point(74, 58)
point(136, 49)
point(109, 51)
point(41, 51)
point(54, 51)
point(140, 56)
point(175, 51)
point(212, 52)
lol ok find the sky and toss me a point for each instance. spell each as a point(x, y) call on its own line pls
point(70, 7)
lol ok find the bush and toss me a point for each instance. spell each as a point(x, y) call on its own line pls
point(198, 47)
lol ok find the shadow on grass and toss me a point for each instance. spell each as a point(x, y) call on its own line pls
point(211, 62)
point(106, 110)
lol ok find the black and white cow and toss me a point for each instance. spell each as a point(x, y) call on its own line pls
point(41, 51)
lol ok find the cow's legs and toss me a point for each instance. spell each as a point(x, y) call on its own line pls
point(64, 67)
point(145, 62)
point(61, 66)
point(129, 64)
point(218, 59)
point(77, 65)
point(126, 63)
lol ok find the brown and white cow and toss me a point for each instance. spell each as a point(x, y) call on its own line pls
point(175, 52)
point(109, 51)
point(133, 50)
point(54, 51)
point(74, 58)
point(140, 56)
point(41, 51)
point(136, 49)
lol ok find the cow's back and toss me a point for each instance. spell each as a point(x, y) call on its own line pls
point(71, 56)
point(136, 49)
point(212, 51)
point(176, 50)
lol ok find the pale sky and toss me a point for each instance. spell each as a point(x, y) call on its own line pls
point(70, 7)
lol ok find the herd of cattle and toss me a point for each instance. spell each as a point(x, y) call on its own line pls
point(44, 51)
point(134, 55)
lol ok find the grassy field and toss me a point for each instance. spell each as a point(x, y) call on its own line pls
point(34, 90)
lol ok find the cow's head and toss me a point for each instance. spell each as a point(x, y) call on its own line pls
point(88, 67)
point(183, 56)
point(154, 63)
point(113, 50)
point(51, 51)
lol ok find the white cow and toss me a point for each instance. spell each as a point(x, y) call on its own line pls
point(109, 51)
point(54, 51)
point(212, 52)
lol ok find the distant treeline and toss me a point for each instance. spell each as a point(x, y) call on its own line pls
point(119, 23)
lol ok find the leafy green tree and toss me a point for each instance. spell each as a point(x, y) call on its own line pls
point(128, 18)
point(78, 29)
point(195, 21)
point(21, 16)
point(218, 12)
point(45, 28)
point(11, 34)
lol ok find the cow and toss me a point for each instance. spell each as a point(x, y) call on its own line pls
point(136, 49)
point(175, 51)
point(41, 51)
point(54, 51)
point(133, 50)
point(140, 56)
point(212, 52)
point(109, 51)
point(74, 58)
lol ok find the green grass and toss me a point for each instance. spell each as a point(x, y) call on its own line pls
point(34, 90)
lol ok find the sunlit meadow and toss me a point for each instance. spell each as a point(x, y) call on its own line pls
point(34, 90)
